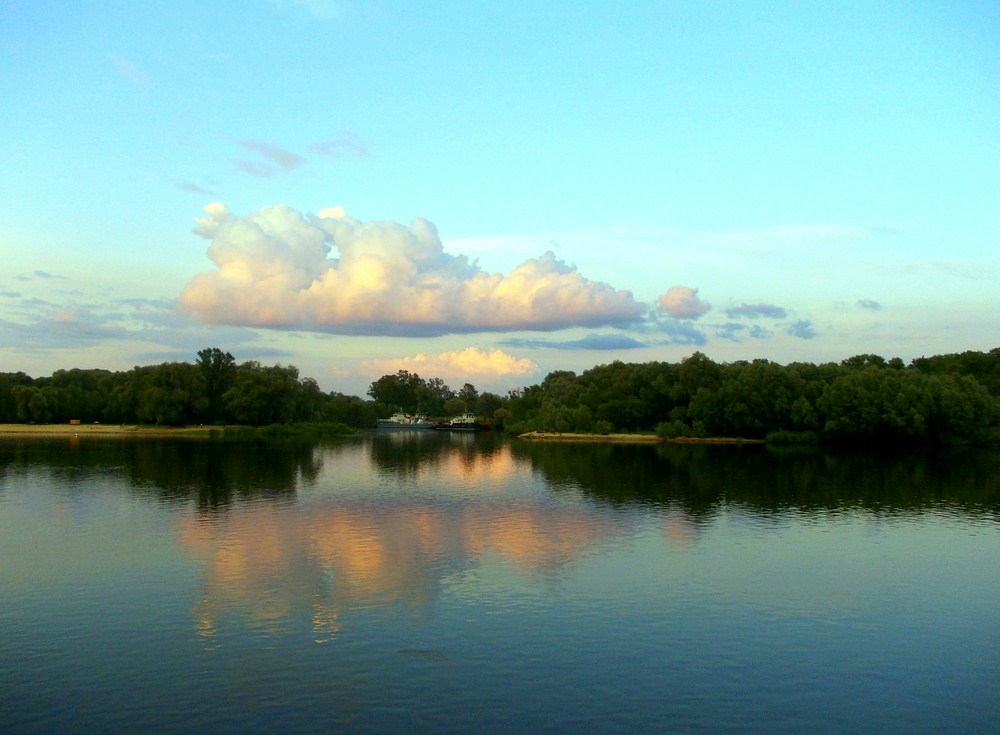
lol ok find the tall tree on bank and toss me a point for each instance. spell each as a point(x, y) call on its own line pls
point(218, 369)
point(401, 391)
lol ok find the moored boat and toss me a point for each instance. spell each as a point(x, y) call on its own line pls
point(403, 421)
point(464, 422)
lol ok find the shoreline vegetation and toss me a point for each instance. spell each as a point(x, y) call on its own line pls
point(112, 431)
point(205, 432)
point(103, 430)
point(570, 437)
point(557, 436)
point(862, 400)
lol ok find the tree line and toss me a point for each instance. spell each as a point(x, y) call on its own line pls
point(952, 398)
point(943, 399)
point(212, 390)
point(215, 389)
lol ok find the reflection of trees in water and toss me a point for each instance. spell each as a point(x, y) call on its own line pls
point(217, 472)
point(621, 474)
point(213, 472)
point(272, 564)
point(407, 453)
point(698, 478)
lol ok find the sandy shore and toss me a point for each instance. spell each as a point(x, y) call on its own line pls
point(98, 430)
point(544, 436)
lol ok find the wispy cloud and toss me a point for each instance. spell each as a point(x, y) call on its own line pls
point(736, 332)
point(590, 342)
point(769, 311)
point(869, 304)
point(803, 329)
point(347, 143)
point(681, 333)
point(255, 168)
point(195, 189)
point(285, 160)
point(41, 325)
point(66, 326)
point(276, 159)
point(43, 275)
point(274, 269)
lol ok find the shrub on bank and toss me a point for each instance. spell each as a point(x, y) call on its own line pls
point(791, 437)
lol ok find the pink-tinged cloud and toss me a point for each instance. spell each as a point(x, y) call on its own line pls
point(333, 273)
point(470, 362)
point(682, 302)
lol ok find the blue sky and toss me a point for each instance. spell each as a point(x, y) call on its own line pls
point(488, 192)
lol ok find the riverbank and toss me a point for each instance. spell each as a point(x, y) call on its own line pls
point(544, 436)
point(551, 436)
point(100, 430)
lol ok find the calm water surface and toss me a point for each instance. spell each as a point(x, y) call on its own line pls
point(427, 583)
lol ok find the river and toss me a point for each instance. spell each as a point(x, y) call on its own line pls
point(420, 582)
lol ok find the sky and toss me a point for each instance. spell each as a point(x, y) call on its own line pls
point(487, 192)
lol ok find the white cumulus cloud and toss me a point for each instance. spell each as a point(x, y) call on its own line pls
point(468, 363)
point(682, 302)
point(333, 273)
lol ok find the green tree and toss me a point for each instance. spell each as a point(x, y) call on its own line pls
point(863, 361)
point(263, 395)
point(693, 374)
point(350, 410)
point(488, 404)
point(309, 401)
point(8, 400)
point(31, 404)
point(431, 396)
point(401, 390)
point(469, 396)
point(218, 371)
point(169, 394)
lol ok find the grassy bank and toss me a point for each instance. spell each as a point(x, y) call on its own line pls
point(196, 432)
point(544, 436)
point(99, 430)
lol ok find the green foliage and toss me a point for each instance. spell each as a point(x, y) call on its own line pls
point(953, 399)
point(218, 371)
point(673, 429)
point(864, 399)
point(213, 390)
point(983, 366)
point(401, 391)
point(791, 437)
point(488, 404)
point(468, 395)
point(338, 408)
point(263, 395)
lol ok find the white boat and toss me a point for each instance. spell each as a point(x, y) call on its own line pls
point(405, 421)
point(463, 422)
